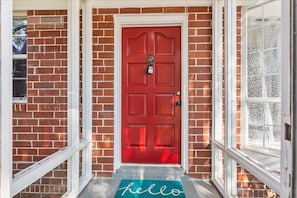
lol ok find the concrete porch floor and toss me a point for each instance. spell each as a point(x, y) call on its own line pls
point(107, 187)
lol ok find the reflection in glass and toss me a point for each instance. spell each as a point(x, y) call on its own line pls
point(19, 38)
point(19, 77)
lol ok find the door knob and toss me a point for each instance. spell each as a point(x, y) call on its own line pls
point(178, 103)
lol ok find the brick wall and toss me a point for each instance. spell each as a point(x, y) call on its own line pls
point(103, 92)
point(200, 61)
point(40, 125)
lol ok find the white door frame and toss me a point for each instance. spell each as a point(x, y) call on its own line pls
point(142, 20)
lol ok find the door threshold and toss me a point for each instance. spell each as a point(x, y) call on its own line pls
point(151, 165)
point(149, 171)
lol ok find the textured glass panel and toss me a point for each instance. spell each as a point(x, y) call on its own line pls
point(271, 62)
point(276, 119)
point(255, 123)
point(254, 40)
point(19, 39)
point(254, 61)
point(272, 86)
point(254, 22)
point(256, 114)
point(271, 35)
point(264, 124)
point(255, 86)
point(268, 125)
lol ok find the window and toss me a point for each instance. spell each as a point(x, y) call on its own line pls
point(262, 79)
point(19, 42)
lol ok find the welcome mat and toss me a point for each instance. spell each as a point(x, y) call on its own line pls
point(131, 188)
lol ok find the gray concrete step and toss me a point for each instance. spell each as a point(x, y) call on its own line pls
point(149, 172)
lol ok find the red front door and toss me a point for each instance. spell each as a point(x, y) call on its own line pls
point(151, 108)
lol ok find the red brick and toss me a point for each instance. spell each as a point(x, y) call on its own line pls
point(129, 10)
point(108, 11)
point(152, 10)
point(198, 9)
point(108, 17)
point(174, 10)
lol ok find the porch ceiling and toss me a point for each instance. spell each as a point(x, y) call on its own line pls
point(62, 4)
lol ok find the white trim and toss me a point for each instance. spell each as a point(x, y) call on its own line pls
point(217, 71)
point(73, 118)
point(117, 93)
point(218, 176)
point(243, 109)
point(286, 145)
point(264, 175)
point(62, 4)
point(260, 100)
point(145, 3)
point(5, 98)
point(294, 91)
point(230, 96)
point(39, 5)
point(87, 91)
point(29, 175)
point(151, 165)
point(130, 20)
point(19, 14)
point(217, 90)
point(158, 3)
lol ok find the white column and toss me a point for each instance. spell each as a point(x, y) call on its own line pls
point(230, 95)
point(217, 69)
point(294, 186)
point(288, 100)
point(87, 88)
point(5, 98)
point(73, 43)
point(217, 91)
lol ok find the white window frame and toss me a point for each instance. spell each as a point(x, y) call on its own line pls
point(245, 99)
point(217, 100)
point(226, 165)
point(227, 147)
point(5, 98)
point(288, 103)
point(20, 14)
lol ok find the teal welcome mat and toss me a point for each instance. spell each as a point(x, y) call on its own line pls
point(131, 188)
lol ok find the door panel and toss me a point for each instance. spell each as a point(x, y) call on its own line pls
point(150, 117)
point(134, 47)
point(164, 105)
point(137, 104)
point(164, 45)
point(167, 80)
